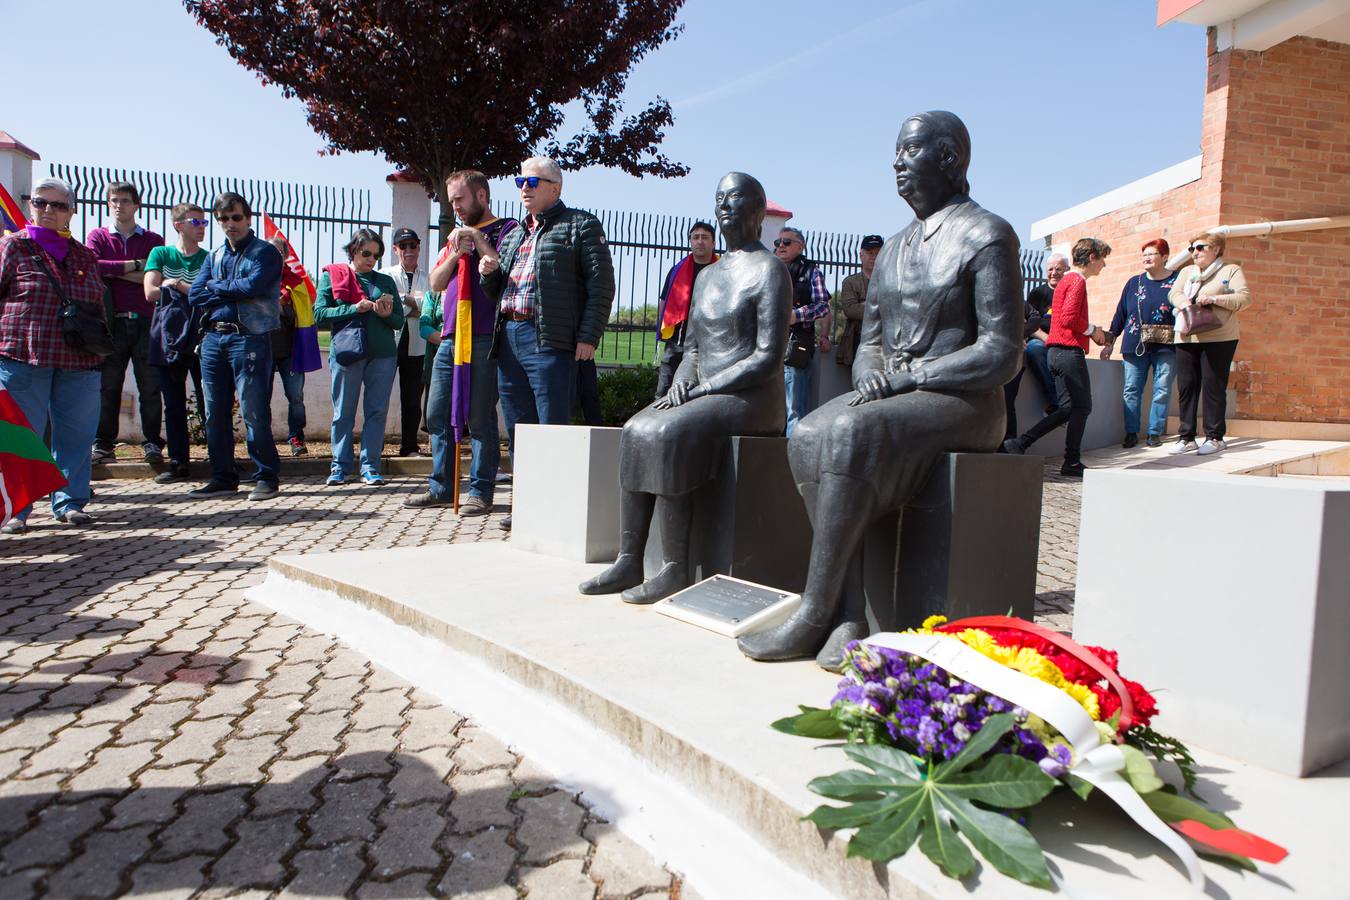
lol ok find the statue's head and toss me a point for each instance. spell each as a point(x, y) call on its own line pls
point(932, 154)
point(739, 206)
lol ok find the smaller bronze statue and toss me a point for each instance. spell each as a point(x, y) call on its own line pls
point(730, 382)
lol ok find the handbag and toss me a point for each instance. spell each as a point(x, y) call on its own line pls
point(797, 356)
point(83, 329)
point(1157, 334)
point(1197, 319)
point(349, 344)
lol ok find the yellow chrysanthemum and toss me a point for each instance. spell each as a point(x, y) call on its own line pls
point(1023, 659)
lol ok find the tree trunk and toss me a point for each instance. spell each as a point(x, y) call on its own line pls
point(446, 223)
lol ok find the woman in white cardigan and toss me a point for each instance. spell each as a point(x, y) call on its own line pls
point(1205, 355)
point(413, 285)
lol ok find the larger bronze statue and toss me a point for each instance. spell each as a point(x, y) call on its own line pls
point(730, 382)
point(941, 336)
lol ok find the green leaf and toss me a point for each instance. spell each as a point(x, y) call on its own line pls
point(1139, 771)
point(812, 723)
point(893, 835)
point(1008, 782)
point(884, 758)
point(940, 843)
point(1166, 749)
point(855, 815)
point(1080, 787)
point(1008, 846)
point(980, 743)
point(1174, 808)
point(856, 785)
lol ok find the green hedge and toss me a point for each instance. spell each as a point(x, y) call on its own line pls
point(625, 391)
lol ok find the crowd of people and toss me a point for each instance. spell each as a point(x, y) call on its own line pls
point(510, 313)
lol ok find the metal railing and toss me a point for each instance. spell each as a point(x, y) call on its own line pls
point(318, 219)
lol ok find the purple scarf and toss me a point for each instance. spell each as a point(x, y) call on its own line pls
point(50, 240)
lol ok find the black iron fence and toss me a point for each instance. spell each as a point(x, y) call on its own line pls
point(319, 219)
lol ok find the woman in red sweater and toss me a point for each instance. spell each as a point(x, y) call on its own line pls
point(1070, 332)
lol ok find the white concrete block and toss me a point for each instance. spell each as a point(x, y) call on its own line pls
point(566, 491)
point(1229, 596)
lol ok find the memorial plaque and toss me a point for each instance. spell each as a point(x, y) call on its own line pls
point(730, 606)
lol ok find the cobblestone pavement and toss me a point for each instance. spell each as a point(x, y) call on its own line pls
point(161, 735)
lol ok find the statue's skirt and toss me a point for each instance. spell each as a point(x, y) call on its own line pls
point(673, 451)
point(893, 444)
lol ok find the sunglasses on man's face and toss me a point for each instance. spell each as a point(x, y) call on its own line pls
point(531, 180)
point(1194, 247)
point(40, 203)
point(784, 242)
point(232, 217)
point(406, 246)
point(199, 223)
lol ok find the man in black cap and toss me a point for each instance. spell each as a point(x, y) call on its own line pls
point(851, 298)
point(413, 285)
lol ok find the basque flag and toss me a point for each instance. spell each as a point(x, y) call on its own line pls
point(27, 470)
point(296, 284)
point(11, 218)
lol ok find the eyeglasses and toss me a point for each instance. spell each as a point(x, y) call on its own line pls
point(531, 180)
point(784, 242)
point(43, 203)
point(232, 217)
point(1194, 247)
point(200, 223)
point(407, 246)
point(368, 254)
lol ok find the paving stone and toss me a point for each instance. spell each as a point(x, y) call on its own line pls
point(196, 741)
point(326, 872)
point(21, 799)
point(620, 866)
point(154, 722)
point(70, 751)
point(202, 826)
point(334, 693)
point(270, 715)
point(478, 864)
point(290, 786)
point(155, 797)
point(407, 840)
point(550, 827)
point(116, 704)
point(34, 731)
point(481, 799)
point(113, 768)
point(314, 734)
point(230, 700)
point(414, 885)
point(241, 761)
point(379, 710)
point(256, 859)
point(20, 885)
point(169, 880)
point(481, 750)
point(366, 753)
point(93, 873)
point(563, 880)
point(346, 812)
point(50, 840)
point(421, 776)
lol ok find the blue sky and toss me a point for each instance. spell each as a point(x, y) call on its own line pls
point(1064, 100)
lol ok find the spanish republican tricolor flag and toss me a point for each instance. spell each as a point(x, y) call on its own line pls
point(11, 217)
point(27, 470)
point(296, 284)
point(461, 386)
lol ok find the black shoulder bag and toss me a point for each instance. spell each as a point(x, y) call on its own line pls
point(83, 329)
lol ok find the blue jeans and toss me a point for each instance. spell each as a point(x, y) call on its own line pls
point(487, 452)
point(536, 383)
point(293, 385)
point(68, 399)
point(1039, 364)
point(173, 388)
point(1136, 373)
point(376, 375)
point(238, 365)
point(798, 384)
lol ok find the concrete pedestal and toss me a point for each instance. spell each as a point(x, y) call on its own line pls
point(1233, 593)
point(749, 522)
point(966, 546)
point(566, 491)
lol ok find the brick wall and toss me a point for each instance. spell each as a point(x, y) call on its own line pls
point(1275, 144)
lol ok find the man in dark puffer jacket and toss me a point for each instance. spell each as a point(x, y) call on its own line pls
point(554, 290)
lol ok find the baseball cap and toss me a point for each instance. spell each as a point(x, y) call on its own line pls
point(870, 242)
point(407, 234)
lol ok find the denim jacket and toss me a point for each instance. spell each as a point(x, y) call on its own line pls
point(249, 277)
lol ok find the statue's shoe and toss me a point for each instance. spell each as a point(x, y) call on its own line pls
point(831, 656)
point(796, 638)
point(673, 577)
point(626, 572)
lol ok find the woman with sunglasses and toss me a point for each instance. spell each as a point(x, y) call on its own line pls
point(355, 295)
point(1205, 355)
point(52, 382)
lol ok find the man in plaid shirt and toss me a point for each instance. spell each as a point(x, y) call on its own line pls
point(810, 301)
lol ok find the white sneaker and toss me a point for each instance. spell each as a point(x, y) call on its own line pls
point(1181, 446)
point(1210, 447)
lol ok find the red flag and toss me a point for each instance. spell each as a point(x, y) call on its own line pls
point(27, 470)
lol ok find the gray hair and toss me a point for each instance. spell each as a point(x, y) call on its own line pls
point(549, 167)
point(1054, 256)
point(55, 184)
point(798, 232)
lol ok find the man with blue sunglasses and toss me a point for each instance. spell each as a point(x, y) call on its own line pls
point(555, 287)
